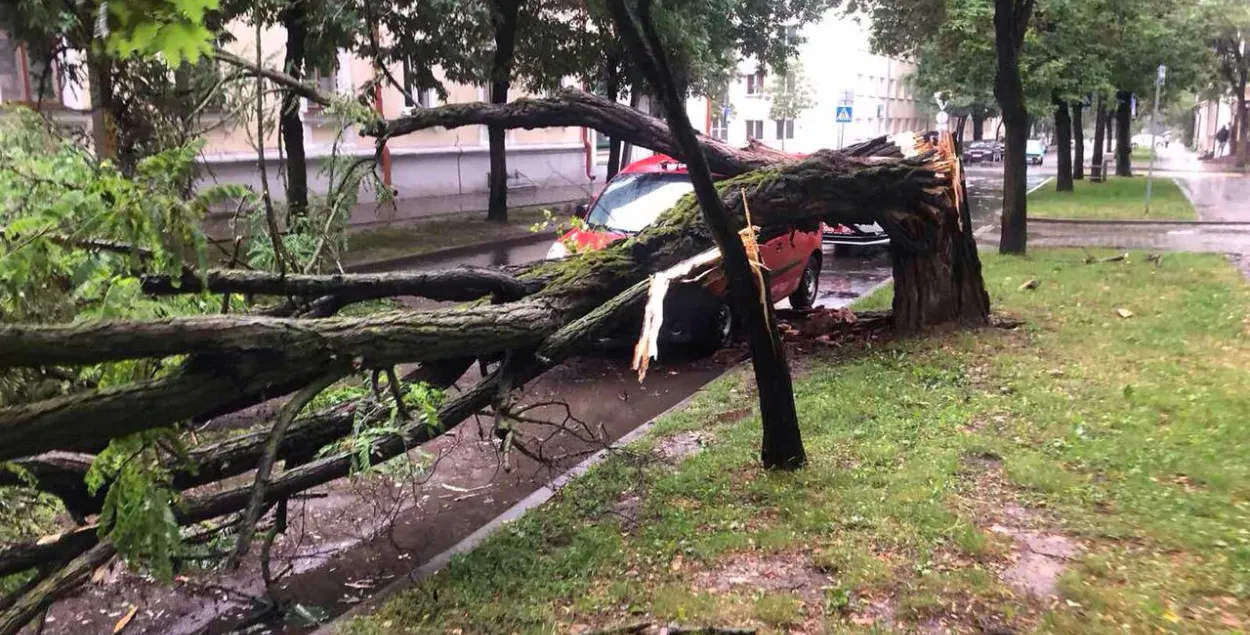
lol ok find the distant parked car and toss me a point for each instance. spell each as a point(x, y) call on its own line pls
point(979, 151)
point(1142, 140)
point(1035, 151)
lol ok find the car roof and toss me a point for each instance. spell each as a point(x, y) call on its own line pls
point(656, 164)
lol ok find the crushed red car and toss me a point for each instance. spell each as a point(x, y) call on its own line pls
point(636, 197)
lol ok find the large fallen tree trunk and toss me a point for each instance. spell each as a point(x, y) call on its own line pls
point(543, 313)
point(240, 360)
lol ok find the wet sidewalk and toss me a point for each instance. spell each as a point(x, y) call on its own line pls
point(1218, 197)
point(1157, 237)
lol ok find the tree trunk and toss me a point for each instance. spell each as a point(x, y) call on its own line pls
point(1123, 122)
point(1010, 23)
point(1078, 141)
point(1100, 125)
point(1243, 112)
point(613, 85)
point(1063, 143)
point(294, 21)
point(501, 80)
point(782, 443)
point(978, 125)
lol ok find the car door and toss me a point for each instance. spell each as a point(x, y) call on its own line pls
point(782, 257)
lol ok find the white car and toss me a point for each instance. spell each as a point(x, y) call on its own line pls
point(1142, 140)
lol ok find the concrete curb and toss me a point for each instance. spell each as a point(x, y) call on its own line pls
point(475, 539)
point(397, 262)
point(1135, 221)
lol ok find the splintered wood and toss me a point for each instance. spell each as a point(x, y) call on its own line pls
point(704, 269)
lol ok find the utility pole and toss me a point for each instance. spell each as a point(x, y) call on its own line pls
point(1163, 70)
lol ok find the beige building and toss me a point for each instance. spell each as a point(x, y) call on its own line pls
point(431, 172)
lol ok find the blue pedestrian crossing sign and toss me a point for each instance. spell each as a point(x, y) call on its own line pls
point(843, 114)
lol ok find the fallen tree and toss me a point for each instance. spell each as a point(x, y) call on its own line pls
point(537, 316)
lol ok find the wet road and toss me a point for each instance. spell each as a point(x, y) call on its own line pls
point(357, 535)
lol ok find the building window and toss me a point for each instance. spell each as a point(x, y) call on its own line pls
point(720, 129)
point(323, 77)
point(785, 128)
point(792, 35)
point(755, 129)
point(25, 77)
point(755, 84)
point(414, 95)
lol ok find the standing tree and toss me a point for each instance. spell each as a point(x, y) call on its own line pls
point(1011, 20)
point(504, 14)
point(1063, 144)
point(790, 97)
point(1230, 42)
point(1078, 140)
point(1100, 125)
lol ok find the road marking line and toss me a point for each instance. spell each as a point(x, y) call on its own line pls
point(1040, 185)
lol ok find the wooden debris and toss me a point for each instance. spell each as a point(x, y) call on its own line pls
point(1031, 283)
point(1124, 313)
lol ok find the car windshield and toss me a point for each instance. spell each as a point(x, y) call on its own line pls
point(979, 145)
point(633, 201)
point(1033, 147)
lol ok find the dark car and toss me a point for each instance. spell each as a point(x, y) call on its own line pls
point(980, 151)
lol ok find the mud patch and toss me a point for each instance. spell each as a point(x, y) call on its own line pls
point(792, 573)
point(1038, 554)
point(675, 448)
point(627, 510)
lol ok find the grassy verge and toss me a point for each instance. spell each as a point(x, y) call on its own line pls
point(1117, 199)
point(433, 235)
point(939, 466)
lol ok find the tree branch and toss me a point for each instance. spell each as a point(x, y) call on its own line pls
point(452, 285)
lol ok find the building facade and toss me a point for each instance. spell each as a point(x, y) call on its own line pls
point(839, 69)
point(442, 171)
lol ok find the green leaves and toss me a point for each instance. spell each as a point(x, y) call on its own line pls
point(174, 29)
point(137, 514)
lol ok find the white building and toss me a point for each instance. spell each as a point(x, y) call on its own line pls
point(839, 69)
point(1209, 117)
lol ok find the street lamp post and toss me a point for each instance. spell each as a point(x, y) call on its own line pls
point(1163, 70)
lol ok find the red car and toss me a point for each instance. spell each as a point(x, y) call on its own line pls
point(636, 197)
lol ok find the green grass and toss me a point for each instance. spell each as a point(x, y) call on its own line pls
point(433, 235)
point(1126, 435)
point(1117, 199)
point(1141, 155)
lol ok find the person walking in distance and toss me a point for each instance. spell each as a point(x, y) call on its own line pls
point(1221, 139)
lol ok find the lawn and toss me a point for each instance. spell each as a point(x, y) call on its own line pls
point(1102, 442)
point(1117, 199)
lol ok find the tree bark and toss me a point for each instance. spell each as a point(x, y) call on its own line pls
point(1078, 141)
point(1123, 121)
point(294, 21)
point(1063, 141)
point(452, 285)
point(612, 79)
point(574, 108)
point(1100, 125)
point(978, 125)
point(782, 443)
point(501, 80)
point(1011, 19)
point(54, 587)
point(1243, 115)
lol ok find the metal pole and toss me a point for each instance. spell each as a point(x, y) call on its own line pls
point(1153, 113)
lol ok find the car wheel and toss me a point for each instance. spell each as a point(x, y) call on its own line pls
point(805, 296)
